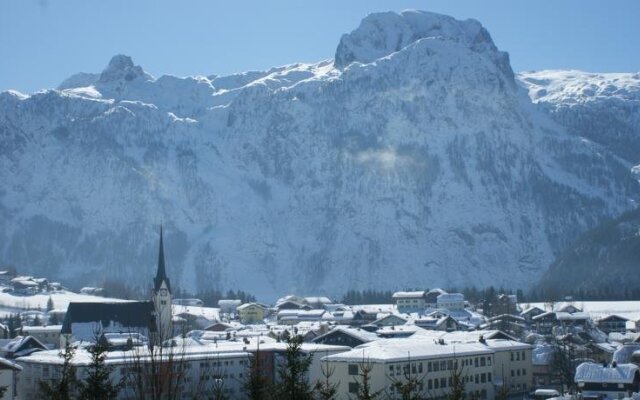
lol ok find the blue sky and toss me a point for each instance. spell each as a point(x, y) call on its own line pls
point(44, 41)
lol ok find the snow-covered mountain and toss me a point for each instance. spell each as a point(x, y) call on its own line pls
point(604, 108)
point(413, 159)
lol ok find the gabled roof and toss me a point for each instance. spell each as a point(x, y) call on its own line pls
point(23, 345)
point(532, 309)
point(409, 295)
point(358, 334)
point(620, 373)
point(133, 314)
point(609, 317)
point(247, 305)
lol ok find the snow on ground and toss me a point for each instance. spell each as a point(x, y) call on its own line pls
point(11, 303)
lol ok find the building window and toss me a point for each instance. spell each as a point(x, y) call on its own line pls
point(523, 356)
point(420, 368)
point(429, 384)
point(353, 369)
point(353, 387)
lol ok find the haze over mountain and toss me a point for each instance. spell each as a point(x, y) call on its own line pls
point(414, 159)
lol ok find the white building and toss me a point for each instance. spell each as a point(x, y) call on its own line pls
point(408, 302)
point(48, 335)
point(607, 381)
point(451, 301)
point(194, 369)
point(433, 364)
point(8, 372)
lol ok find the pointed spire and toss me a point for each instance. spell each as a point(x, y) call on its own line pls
point(161, 274)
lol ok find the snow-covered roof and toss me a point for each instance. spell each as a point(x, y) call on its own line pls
point(247, 305)
point(620, 373)
point(565, 316)
point(409, 295)
point(450, 297)
point(355, 333)
point(390, 350)
point(317, 300)
point(48, 328)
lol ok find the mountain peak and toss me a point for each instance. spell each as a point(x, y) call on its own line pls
point(380, 34)
point(122, 67)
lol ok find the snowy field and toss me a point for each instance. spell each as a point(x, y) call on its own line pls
point(598, 309)
point(10, 303)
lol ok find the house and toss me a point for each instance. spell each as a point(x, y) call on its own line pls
point(22, 346)
point(507, 304)
point(317, 302)
point(613, 323)
point(219, 327)
point(531, 312)
point(86, 321)
point(24, 285)
point(597, 381)
point(343, 336)
point(363, 317)
point(567, 308)
point(390, 320)
point(8, 372)
point(506, 322)
point(577, 318)
point(292, 317)
point(450, 301)
point(408, 302)
point(48, 334)
point(544, 323)
point(251, 313)
point(431, 298)
point(445, 323)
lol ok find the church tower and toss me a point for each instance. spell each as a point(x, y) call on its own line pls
point(161, 297)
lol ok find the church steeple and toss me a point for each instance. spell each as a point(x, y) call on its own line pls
point(161, 273)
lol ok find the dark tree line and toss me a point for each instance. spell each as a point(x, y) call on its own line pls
point(367, 297)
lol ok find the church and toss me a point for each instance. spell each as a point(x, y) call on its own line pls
point(151, 319)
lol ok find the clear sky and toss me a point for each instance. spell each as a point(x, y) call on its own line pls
point(44, 41)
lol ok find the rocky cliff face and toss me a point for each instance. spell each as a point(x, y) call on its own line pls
point(413, 159)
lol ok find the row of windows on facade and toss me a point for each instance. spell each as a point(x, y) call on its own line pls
point(431, 385)
point(517, 372)
point(46, 372)
point(518, 356)
point(432, 366)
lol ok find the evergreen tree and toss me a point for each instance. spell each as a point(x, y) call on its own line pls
point(98, 384)
point(293, 384)
point(62, 388)
point(49, 304)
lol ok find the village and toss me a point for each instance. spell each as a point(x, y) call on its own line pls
point(425, 344)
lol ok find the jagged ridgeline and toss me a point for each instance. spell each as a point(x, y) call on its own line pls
point(414, 159)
